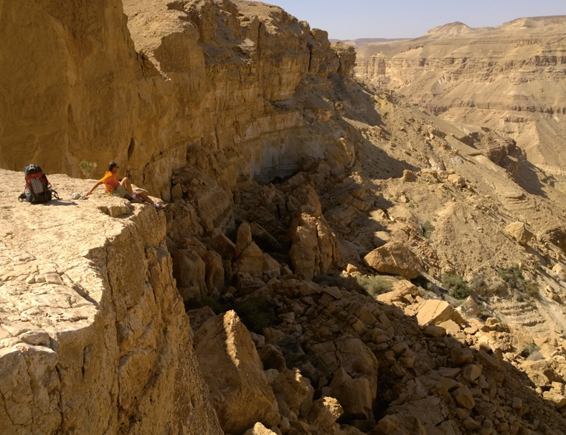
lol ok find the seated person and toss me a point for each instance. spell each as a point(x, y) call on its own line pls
point(121, 188)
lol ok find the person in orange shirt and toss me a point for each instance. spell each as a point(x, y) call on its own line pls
point(122, 188)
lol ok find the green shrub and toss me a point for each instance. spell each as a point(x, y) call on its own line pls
point(457, 287)
point(374, 285)
point(87, 168)
point(513, 276)
point(428, 228)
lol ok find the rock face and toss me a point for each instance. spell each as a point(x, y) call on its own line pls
point(315, 248)
point(233, 370)
point(92, 328)
point(172, 78)
point(508, 78)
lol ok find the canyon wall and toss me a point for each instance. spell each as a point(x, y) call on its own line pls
point(77, 85)
point(511, 78)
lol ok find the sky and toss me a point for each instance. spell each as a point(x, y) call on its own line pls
point(355, 19)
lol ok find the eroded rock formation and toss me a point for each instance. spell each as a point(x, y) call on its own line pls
point(224, 75)
point(93, 333)
point(509, 78)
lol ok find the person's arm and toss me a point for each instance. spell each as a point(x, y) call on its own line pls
point(98, 183)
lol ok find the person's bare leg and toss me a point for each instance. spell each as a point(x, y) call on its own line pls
point(127, 185)
point(143, 196)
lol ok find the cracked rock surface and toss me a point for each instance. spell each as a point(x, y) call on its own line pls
point(92, 328)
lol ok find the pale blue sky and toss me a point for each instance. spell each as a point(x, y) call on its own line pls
point(410, 18)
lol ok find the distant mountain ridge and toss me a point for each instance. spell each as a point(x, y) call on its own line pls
point(360, 42)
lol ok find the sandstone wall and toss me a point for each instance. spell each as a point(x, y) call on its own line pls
point(95, 85)
point(93, 333)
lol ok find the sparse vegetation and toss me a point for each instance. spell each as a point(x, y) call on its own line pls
point(87, 168)
point(374, 285)
point(531, 352)
point(428, 228)
point(478, 284)
point(514, 278)
point(511, 274)
point(457, 287)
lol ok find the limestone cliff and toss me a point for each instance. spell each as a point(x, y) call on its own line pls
point(93, 333)
point(224, 75)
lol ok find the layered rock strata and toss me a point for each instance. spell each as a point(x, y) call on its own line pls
point(510, 77)
point(224, 75)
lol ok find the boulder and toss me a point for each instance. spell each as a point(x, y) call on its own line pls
point(434, 312)
point(472, 372)
point(434, 331)
point(272, 357)
point(402, 291)
point(231, 366)
point(315, 248)
point(199, 316)
point(355, 395)
point(271, 266)
point(394, 258)
point(357, 359)
point(243, 239)
point(176, 192)
point(259, 429)
point(555, 235)
point(464, 398)
point(469, 308)
point(214, 271)
point(116, 206)
point(519, 232)
point(189, 270)
point(290, 390)
point(251, 260)
point(430, 411)
point(324, 413)
point(409, 176)
point(224, 246)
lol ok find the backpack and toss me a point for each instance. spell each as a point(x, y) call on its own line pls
point(38, 190)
